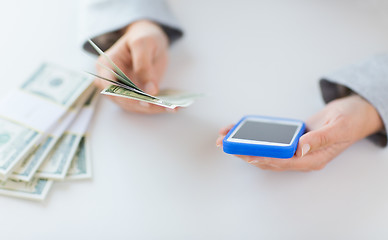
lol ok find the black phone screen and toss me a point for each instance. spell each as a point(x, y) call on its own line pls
point(266, 131)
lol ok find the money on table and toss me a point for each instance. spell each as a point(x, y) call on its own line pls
point(28, 113)
point(26, 170)
point(47, 117)
point(58, 162)
point(44, 123)
point(80, 167)
point(36, 189)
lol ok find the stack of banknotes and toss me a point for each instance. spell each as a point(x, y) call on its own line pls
point(43, 132)
point(44, 124)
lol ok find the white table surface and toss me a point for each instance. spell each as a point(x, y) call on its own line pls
point(162, 177)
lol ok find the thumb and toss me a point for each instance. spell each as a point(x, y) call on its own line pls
point(142, 57)
point(317, 139)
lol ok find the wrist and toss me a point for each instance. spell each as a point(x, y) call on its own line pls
point(373, 121)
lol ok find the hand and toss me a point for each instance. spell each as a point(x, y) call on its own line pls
point(341, 123)
point(141, 53)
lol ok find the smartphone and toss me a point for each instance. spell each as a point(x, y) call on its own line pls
point(264, 136)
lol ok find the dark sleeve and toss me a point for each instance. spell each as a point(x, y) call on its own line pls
point(368, 79)
point(102, 20)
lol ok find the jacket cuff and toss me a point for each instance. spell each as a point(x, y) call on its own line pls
point(103, 21)
point(369, 79)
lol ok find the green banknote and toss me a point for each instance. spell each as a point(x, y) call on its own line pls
point(122, 92)
point(58, 161)
point(26, 170)
point(116, 70)
point(15, 142)
point(28, 113)
point(36, 189)
point(57, 84)
point(80, 167)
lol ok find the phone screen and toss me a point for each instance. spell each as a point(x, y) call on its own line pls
point(266, 132)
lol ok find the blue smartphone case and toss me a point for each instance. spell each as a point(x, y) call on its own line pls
point(262, 150)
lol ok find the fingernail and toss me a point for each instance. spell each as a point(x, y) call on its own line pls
point(305, 149)
point(144, 104)
point(150, 88)
point(219, 141)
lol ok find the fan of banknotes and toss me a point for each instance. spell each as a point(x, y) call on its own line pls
point(43, 132)
point(122, 86)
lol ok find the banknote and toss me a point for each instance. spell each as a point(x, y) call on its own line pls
point(16, 141)
point(121, 77)
point(57, 84)
point(178, 98)
point(57, 163)
point(117, 91)
point(123, 86)
point(26, 170)
point(28, 113)
point(36, 189)
point(81, 165)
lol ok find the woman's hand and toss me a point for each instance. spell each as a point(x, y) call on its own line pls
point(341, 123)
point(141, 53)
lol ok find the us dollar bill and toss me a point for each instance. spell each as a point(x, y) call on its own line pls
point(121, 77)
point(57, 84)
point(57, 163)
point(36, 189)
point(166, 98)
point(81, 165)
point(27, 114)
point(117, 91)
point(26, 170)
point(177, 97)
point(16, 141)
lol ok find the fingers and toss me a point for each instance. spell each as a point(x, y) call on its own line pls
point(223, 131)
point(143, 56)
point(295, 163)
point(148, 45)
point(119, 53)
point(100, 84)
point(262, 162)
point(219, 141)
point(318, 139)
point(103, 73)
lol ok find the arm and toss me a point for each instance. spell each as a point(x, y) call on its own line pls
point(135, 34)
point(368, 79)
